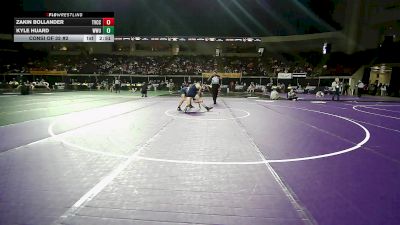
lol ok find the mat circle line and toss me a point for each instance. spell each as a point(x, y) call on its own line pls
point(376, 114)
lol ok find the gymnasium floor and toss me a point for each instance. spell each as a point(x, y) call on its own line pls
point(105, 158)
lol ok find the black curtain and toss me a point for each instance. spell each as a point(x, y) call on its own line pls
point(395, 82)
point(365, 78)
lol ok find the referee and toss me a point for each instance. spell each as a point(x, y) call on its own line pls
point(215, 84)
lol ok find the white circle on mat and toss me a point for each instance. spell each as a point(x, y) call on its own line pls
point(338, 152)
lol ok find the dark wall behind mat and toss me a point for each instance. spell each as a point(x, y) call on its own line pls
point(205, 17)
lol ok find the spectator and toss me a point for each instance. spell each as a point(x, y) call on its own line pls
point(375, 88)
point(171, 86)
point(144, 89)
point(336, 89)
point(161, 65)
point(251, 88)
point(232, 86)
point(117, 84)
point(292, 95)
point(383, 90)
point(346, 87)
point(274, 94)
point(319, 94)
point(360, 88)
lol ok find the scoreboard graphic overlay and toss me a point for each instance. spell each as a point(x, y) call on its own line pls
point(64, 27)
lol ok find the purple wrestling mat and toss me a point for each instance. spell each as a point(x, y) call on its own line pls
point(247, 161)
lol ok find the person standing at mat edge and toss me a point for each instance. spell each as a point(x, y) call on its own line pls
point(117, 83)
point(360, 88)
point(336, 89)
point(144, 90)
point(215, 84)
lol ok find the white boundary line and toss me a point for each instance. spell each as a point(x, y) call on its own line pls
point(69, 113)
point(93, 192)
point(266, 101)
point(371, 124)
point(392, 117)
point(52, 135)
point(332, 106)
point(47, 108)
point(51, 132)
point(301, 211)
point(42, 102)
point(369, 107)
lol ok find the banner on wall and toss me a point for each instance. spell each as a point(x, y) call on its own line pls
point(223, 75)
point(299, 74)
point(284, 76)
point(48, 72)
